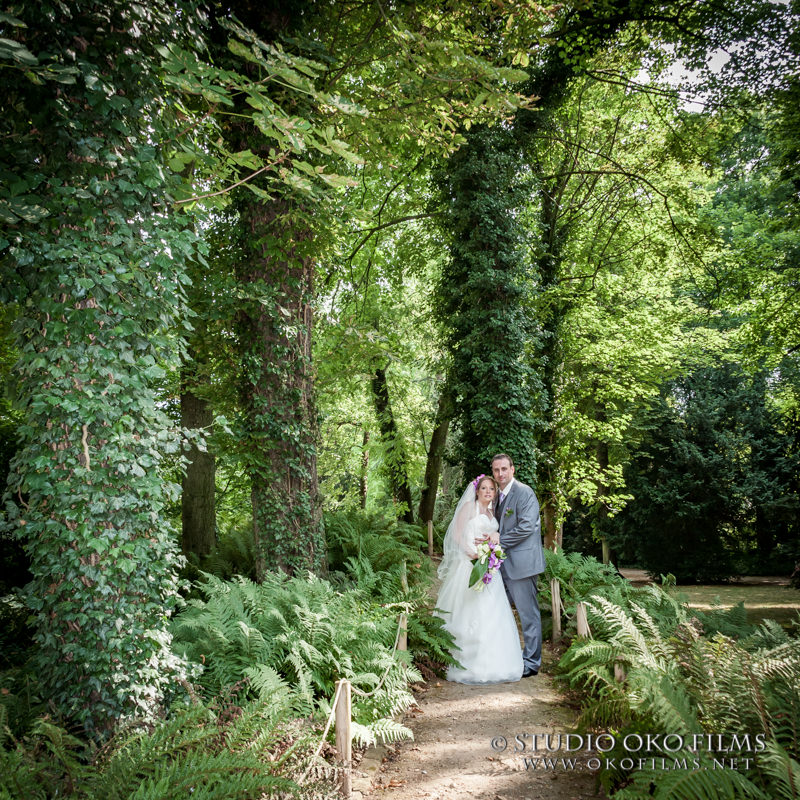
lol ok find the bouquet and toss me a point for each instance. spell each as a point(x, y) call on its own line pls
point(490, 557)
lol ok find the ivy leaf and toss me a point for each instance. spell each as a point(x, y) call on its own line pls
point(9, 49)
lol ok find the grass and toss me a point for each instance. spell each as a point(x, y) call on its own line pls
point(763, 598)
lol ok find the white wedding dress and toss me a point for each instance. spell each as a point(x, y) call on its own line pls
point(481, 623)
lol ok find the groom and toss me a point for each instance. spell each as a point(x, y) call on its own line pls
point(520, 536)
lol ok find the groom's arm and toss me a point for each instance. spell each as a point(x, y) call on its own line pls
point(526, 520)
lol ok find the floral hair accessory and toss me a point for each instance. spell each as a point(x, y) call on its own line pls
point(478, 480)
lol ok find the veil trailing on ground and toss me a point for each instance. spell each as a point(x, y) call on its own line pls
point(454, 544)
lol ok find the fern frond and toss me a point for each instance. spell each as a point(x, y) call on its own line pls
point(783, 770)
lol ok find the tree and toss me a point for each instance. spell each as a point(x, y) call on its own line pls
point(714, 477)
point(480, 302)
point(95, 261)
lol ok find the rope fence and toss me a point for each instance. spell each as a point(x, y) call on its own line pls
point(341, 713)
point(558, 611)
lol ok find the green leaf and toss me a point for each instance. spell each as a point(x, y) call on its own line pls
point(17, 52)
point(17, 23)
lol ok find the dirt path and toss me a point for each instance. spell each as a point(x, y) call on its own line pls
point(452, 755)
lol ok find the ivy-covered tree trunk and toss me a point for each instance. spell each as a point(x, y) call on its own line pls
point(433, 465)
point(362, 478)
point(280, 437)
point(396, 457)
point(480, 303)
point(198, 506)
point(94, 260)
point(550, 249)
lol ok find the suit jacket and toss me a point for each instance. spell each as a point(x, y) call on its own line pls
point(521, 533)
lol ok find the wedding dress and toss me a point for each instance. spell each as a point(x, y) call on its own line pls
point(481, 623)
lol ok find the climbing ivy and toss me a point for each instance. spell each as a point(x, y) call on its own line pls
point(96, 263)
point(481, 301)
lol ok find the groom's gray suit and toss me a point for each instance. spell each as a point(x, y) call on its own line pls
point(521, 539)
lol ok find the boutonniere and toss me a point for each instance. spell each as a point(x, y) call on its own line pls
point(509, 512)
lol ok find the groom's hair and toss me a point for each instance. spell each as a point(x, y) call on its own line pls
point(503, 455)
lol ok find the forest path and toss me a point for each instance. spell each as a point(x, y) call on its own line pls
point(452, 756)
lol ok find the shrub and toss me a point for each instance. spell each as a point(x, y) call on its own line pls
point(296, 637)
point(223, 750)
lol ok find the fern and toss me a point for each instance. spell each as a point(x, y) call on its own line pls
point(783, 770)
point(202, 753)
point(298, 635)
point(704, 783)
point(383, 730)
point(681, 682)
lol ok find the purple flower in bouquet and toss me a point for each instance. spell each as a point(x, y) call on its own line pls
point(490, 557)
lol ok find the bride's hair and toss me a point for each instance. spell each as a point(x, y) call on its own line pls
point(482, 481)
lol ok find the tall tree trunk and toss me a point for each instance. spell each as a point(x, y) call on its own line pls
point(198, 509)
point(551, 473)
point(602, 509)
point(481, 302)
point(396, 458)
point(362, 481)
point(433, 466)
point(275, 323)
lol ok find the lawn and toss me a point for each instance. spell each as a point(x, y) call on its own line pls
point(763, 598)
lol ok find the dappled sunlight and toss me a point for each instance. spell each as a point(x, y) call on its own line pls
point(457, 753)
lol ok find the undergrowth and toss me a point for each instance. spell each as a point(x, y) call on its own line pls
point(652, 666)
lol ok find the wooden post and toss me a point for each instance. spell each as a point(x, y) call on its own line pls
point(619, 671)
point(402, 639)
point(344, 738)
point(606, 550)
point(430, 538)
point(555, 606)
point(583, 622)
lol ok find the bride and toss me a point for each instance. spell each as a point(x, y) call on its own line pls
point(481, 623)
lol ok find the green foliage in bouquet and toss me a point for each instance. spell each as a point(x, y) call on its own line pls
point(297, 637)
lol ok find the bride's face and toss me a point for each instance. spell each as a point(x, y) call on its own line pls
point(486, 492)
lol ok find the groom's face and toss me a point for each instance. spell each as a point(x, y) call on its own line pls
point(503, 472)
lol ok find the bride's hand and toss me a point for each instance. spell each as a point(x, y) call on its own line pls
point(494, 538)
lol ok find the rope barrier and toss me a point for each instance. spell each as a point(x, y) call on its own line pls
point(325, 732)
point(563, 611)
point(357, 691)
point(380, 682)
